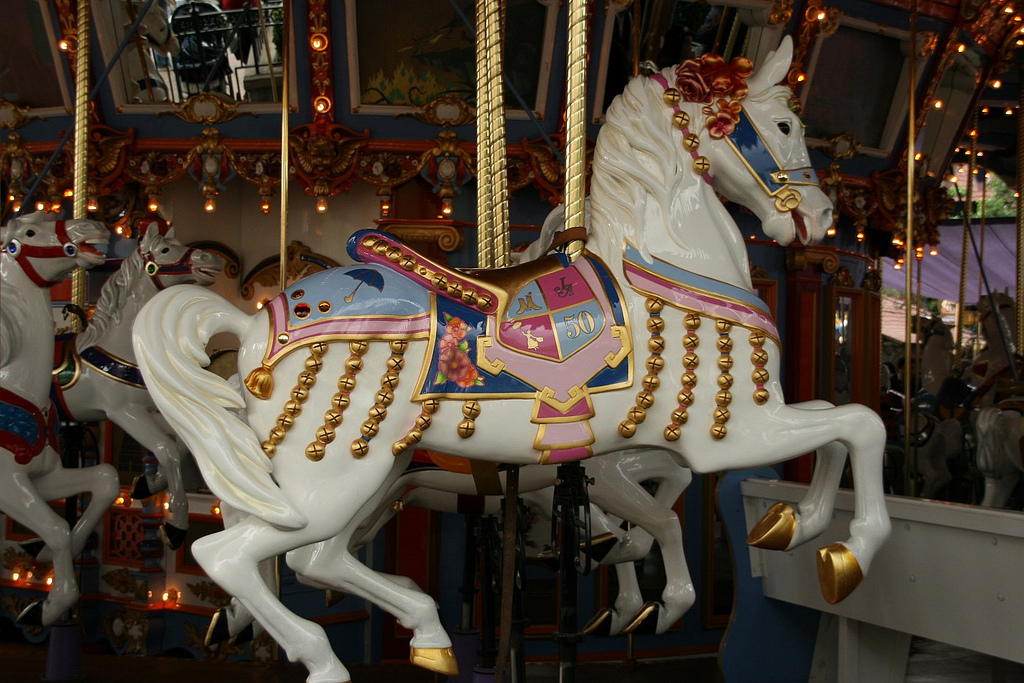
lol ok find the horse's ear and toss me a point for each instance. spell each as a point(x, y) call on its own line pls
point(773, 69)
point(150, 234)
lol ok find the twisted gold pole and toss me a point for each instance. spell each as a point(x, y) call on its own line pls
point(283, 246)
point(499, 177)
point(484, 181)
point(81, 160)
point(576, 124)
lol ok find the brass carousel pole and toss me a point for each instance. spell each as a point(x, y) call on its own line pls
point(81, 156)
point(1020, 217)
point(965, 242)
point(576, 124)
point(286, 34)
point(910, 456)
point(282, 272)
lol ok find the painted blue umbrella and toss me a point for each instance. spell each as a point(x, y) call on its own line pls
point(367, 277)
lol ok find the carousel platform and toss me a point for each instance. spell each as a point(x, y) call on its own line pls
point(22, 663)
point(929, 662)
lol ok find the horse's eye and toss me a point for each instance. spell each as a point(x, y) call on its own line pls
point(165, 250)
point(30, 233)
point(784, 127)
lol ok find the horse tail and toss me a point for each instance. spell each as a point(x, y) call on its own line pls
point(170, 337)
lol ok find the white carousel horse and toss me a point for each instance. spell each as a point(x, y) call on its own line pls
point(936, 439)
point(38, 254)
point(664, 254)
point(98, 378)
point(145, 84)
point(998, 314)
point(999, 455)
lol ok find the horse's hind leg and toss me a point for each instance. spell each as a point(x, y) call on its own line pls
point(654, 515)
point(24, 503)
point(331, 564)
point(99, 481)
point(231, 559)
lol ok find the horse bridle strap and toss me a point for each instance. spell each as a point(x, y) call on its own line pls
point(155, 271)
point(749, 146)
point(23, 252)
point(691, 141)
point(776, 181)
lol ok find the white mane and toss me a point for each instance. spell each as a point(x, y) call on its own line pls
point(636, 161)
point(109, 308)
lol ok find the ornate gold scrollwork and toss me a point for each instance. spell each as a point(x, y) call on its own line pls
point(208, 108)
point(445, 111)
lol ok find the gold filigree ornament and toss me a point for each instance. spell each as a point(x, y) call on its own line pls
point(445, 111)
point(208, 108)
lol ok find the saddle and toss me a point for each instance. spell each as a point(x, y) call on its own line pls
point(510, 334)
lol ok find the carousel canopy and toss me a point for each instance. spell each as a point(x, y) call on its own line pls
point(940, 274)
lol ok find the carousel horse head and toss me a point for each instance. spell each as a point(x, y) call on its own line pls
point(995, 311)
point(144, 81)
point(48, 249)
point(721, 125)
point(169, 262)
point(156, 27)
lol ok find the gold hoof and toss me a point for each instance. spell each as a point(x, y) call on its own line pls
point(838, 572)
point(642, 614)
point(439, 659)
point(775, 530)
point(212, 628)
point(600, 623)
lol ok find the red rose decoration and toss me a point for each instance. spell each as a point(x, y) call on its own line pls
point(690, 82)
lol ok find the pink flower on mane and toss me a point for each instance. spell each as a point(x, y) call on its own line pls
point(722, 122)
